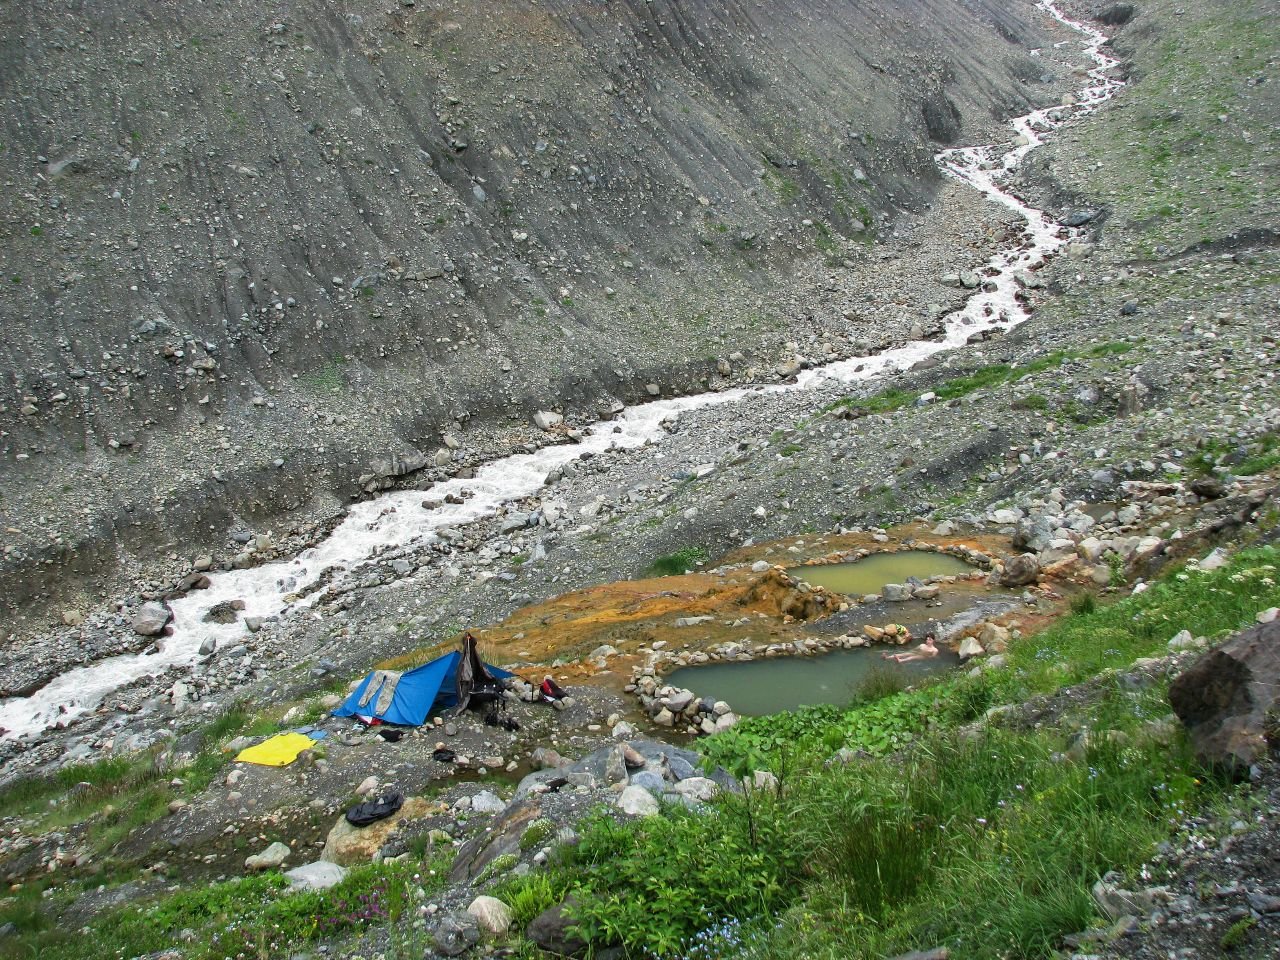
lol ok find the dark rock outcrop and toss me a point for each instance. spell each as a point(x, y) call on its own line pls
point(553, 931)
point(941, 118)
point(1229, 700)
point(502, 837)
point(457, 933)
point(1117, 14)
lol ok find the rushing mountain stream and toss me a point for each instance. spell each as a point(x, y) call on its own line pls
point(290, 587)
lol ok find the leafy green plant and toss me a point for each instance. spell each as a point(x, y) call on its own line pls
point(498, 866)
point(1115, 563)
point(657, 882)
point(1083, 603)
point(1237, 933)
point(529, 896)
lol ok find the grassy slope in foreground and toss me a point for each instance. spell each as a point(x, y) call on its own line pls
point(987, 842)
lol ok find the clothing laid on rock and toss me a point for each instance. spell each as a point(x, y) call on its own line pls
point(371, 811)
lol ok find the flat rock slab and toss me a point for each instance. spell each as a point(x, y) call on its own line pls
point(320, 875)
point(503, 836)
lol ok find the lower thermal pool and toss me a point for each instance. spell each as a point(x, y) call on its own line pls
point(760, 687)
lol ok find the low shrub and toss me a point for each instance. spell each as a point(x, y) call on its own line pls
point(878, 683)
point(674, 564)
point(528, 896)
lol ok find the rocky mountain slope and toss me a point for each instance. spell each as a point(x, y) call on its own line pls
point(1130, 426)
point(249, 250)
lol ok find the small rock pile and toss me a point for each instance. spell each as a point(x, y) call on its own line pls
point(669, 706)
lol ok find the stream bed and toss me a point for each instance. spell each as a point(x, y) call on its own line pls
point(404, 520)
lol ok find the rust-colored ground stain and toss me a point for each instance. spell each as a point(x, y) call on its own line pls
point(633, 615)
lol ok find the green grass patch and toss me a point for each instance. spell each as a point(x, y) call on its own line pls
point(782, 186)
point(987, 844)
point(674, 564)
point(116, 795)
point(1113, 636)
point(984, 378)
point(249, 917)
point(327, 378)
point(1264, 455)
point(1032, 401)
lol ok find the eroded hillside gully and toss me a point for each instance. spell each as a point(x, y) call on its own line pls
point(398, 520)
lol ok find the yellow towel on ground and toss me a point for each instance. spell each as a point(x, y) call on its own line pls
point(278, 751)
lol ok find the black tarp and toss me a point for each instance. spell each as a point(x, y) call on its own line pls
point(363, 814)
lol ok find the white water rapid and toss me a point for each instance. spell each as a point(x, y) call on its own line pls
point(400, 519)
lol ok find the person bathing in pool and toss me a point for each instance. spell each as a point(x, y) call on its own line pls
point(927, 649)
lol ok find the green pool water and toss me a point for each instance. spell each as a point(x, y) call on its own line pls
point(870, 574)
point(761, 687)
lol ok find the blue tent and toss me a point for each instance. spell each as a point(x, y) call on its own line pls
point(407, 698)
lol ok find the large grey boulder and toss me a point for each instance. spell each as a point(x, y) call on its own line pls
point(1020, 571)
point(606, 765)
point(544, 758)
point(398, 464)
point(1229, 699)
point(151, 619)
point(701, 789)
point(269, 858)
point(486, 801)
point(649, 780)
point(638, 802)
point(492, 915)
